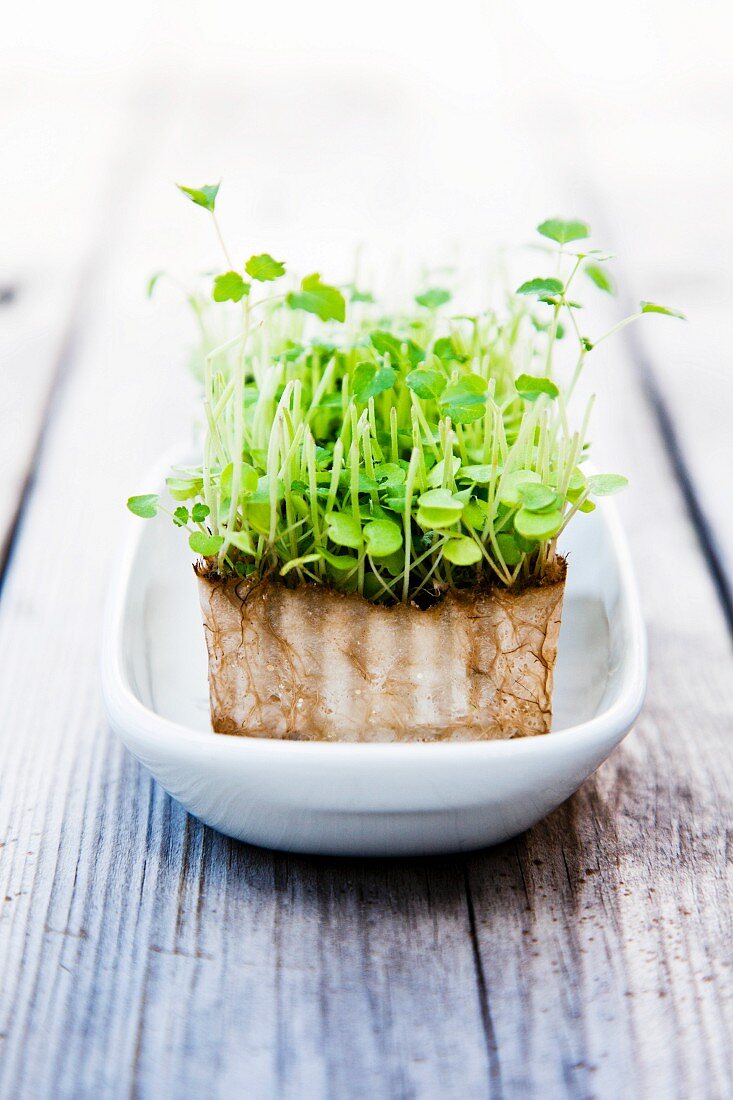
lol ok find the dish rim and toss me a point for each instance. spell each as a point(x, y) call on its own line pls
point(125, 710)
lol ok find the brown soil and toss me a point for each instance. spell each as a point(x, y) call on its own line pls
point(309, 663)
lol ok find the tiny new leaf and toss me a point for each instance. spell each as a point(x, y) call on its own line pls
point(600, 277)
point(369, 380)
point(604, 485)
point(652, 307)
point(541, 286)
point(203, 196)
point(263, 268)
point(563, 230)
point(316, 297)
point(428, 384)
point(433, 298)
point(530, 388)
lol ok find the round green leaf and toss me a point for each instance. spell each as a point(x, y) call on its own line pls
point(205, 544)
point(183, 488)
point(563, 230)
point(511, 553)
point(464, 401)
point(369, 380)
point(538, 498)
point(511, 483)
point(383, 537)
point(428, 384)
point(479, 475)
point(344, 530)
point(604, 485)
point(145, 506)
point(462, 551)
point(538, 525)
point(530, 388)
point(438, 508)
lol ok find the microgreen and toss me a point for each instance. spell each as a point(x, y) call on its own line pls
point(652, 307)
point(203, 196)
point(229, 287)
point(563, 231)
point(263, 268)
point(145, 506)
point(392, 455)
point(434, 298)
point(316, 297)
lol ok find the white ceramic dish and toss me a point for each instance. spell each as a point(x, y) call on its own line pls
point(346, 799)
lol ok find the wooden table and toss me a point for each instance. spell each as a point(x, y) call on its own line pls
point(145, 955)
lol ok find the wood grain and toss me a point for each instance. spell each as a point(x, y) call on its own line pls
point(145, 955)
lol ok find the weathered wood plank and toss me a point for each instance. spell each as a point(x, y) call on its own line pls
point(48, 250)
point(146, 955)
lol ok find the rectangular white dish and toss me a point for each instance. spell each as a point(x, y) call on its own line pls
point(367, 799)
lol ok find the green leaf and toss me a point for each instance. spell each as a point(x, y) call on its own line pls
point(479, 475)
point(652, 307)
point(438, 508)
point(342, 562)
point(538, 498)
point(229, 287)
point(383, 537)
point(541, 286)
point(428, 384)
point(446, 350)
point(512, 483)
point(600, 277)
point(399, 350)
point(464, 401)
point(510, 552)
point(180, 516)
point(462, 551)
point(316, 297)
point(563, 231)
point(605, 485)
point(538, 525)
point(361, 296)
point(434, 298)
point(182, 488)
point(369, 380)
point(145, 506)
point(263, 268)
point(242, 541)
point(199, 512)
point(205, 544)
point(389, 474)
point(435, 477)
point(475, 513)
point(203, 196)
point(530, 387)
point(344, 530)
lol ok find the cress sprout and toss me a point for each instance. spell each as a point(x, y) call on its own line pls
point(390, 455)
